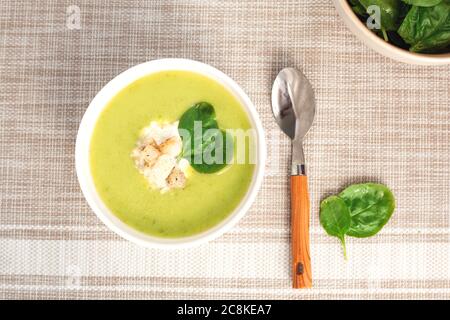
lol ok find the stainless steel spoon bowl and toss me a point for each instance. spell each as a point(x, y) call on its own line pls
point(294, 107)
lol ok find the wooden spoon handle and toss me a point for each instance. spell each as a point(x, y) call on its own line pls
point(301, 260)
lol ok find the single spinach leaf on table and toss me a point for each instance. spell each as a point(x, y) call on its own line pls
point(361, 210)
point(427, 29)
point(207, 148)
point(335, 218)
point(370, 205)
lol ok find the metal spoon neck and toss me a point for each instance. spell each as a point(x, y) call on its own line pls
point(298, 158)
point(298, 169)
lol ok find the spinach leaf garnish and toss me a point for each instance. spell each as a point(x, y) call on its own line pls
point(361, 210)
point(207, 148)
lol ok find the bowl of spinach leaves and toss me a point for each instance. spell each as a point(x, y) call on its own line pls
point(411, 31)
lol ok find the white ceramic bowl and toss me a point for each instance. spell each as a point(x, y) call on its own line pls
point(381, 46)
point(87, 126)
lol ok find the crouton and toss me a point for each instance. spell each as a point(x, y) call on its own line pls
point(176, 179)
point(156, 157)
point(160, 170)
point(150, 154)
point(171, 146)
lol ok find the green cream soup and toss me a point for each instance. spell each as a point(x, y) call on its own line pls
point(207, 198)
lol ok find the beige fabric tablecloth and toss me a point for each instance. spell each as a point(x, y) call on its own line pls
point(377, 120)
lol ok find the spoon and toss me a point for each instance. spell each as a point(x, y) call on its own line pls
point(293, 106)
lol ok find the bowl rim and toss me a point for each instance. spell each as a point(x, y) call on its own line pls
point(385, 48)
point(87, 126)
